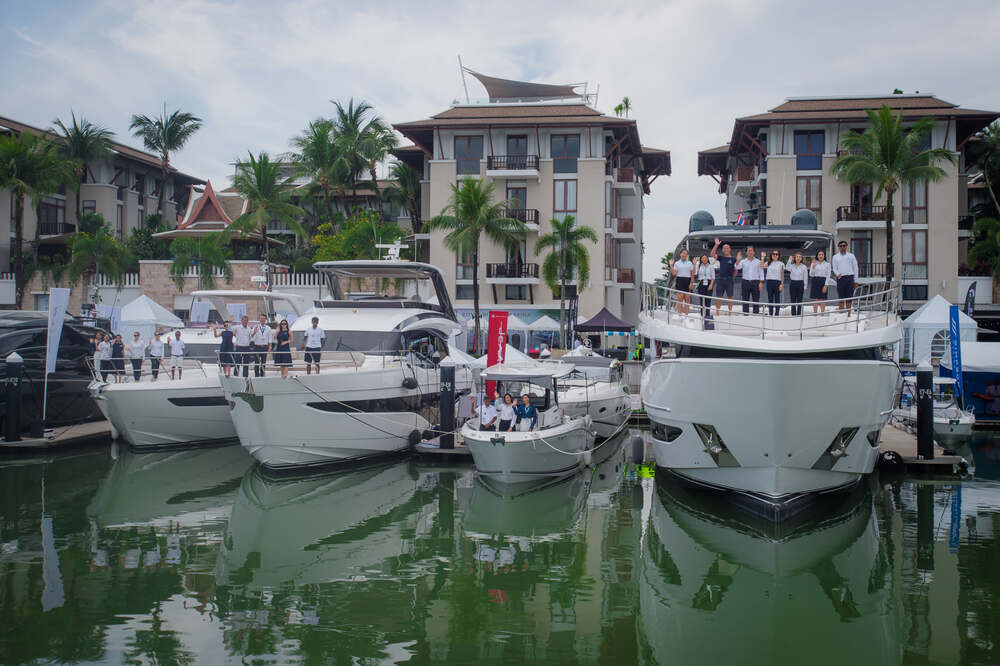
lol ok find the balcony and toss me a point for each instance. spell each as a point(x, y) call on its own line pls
point(626, 277)
point(512, 166)
point(511, 273)
point(871, 271)
point(743, 179)
point(528, 216)
point(860, 217)
point(624, 181)
point(55, 228)
point(624, 230)
point(965, 223)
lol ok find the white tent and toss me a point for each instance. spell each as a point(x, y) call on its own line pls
point(544, 323)
point(977, 357)
point(925, 332)
point(145, 315)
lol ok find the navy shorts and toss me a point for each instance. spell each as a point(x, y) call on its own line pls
point(312, 357)
point(683, 284)
point(724, 287)
point(845, 287)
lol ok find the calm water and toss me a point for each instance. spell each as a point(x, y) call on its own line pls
point(194, 557)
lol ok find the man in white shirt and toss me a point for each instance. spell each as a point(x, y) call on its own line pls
point(488, 415)
point(176, 355)
point(155, 354)
point(312, 343)
point(241, 343)
point(752, 279)
point(845, 268)
point(261, 345)
point(136, 350)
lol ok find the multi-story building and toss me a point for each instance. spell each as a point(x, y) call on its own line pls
point(780, 161)
point(550, 155)
point(124, 188)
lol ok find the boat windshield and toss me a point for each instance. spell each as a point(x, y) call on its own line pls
point(384, 284)
point(786, 243)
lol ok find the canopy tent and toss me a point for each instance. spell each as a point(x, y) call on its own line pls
point(512, 356)
point(603, 322)
point(925, 332)
point(544, 323)
point(145, 315)
point(980, 378)
point(977, 357)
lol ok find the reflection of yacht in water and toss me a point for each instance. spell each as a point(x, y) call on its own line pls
point(815, 592)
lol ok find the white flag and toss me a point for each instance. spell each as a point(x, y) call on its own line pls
point(58, 301)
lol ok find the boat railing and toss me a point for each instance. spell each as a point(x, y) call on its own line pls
point(330, 358)
point(127, 372)
point(872, 306)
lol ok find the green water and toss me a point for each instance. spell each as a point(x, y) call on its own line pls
point(194, 557)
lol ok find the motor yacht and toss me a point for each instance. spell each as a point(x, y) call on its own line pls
point(776, 407)
point(596, 388)
point(386, 325)
point(952, 424)
point(191, 410)
point(557, 447)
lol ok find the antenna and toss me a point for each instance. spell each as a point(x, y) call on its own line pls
point(461, 68)
point(598, 92)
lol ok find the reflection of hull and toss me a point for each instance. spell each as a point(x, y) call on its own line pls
point(607, 403)
point(820, 591)
point(515, 457)
point(175, 487)
point(533, 510)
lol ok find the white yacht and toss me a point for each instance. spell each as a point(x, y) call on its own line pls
point(559, 446)
point(774, 406)
point(191, 410)
point(596, 388)
point(378, 388)
point(952, 424)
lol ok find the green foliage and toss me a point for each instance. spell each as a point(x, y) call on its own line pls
point(163, 135)
point(985, 247)
point(208, 254)
point(142, 244)
point(405, 192)
point(568, 257)
point(665, 267)
point(298, 257)
point(82, 143)
point(356, 239)
point(984, 153)
point(98, 252)
point(91, 223)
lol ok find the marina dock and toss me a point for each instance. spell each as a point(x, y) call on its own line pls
point(61, 437)
point(905, 444)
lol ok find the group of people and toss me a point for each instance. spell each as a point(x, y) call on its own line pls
point(110, 353)
point(244, 345)
point(717, 274)
point(510, 416)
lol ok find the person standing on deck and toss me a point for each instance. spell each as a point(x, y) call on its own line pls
point(774, 278)
point(819, 273)
point(312, 343)
point(102, 358)
point(225, 348)
point(706, 280)
point(724, 275)
point(683, 271)
point(261, 345)
point(487, 414)
point(136, 351)
point(527, 414)
point(155, 354)
point(797, 274)
point(283, 348)
point(118, 358)
point(752, 279)
point(176, 355)
point(845, 267)
point(507, 413)
point(241, 340)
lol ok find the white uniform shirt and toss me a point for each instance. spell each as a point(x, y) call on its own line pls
point(156, 348)
point(262, 335)
point(103, 350)
point(706, 273)
point(486, 414)
point(313, 337)
point(750, 269)
point(844, 264)
point(507, 412)
point(821, 269)
point(683, 268)
point(776, 270)
point(241, 335)
point(135, 349)
point(798, 272)
point(176, 347)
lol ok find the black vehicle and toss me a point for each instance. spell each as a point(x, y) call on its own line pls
point(26, 332)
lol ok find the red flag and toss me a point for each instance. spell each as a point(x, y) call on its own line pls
point(496, 347)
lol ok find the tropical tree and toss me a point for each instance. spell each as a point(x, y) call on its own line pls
point(98, 252)
point(985, 247)
point(354, 132)
point(889, 156)
point(163, 135)
point(31, 168)
point(209, 254)
point(626, 105)
point(471, 214)
point(356, 239)
point(267, 191)
point(405, 192)
point(985, 154)
point(82, 142)
point(316, 158)
point(568, 258)
point(379, 144)
point(618, 110)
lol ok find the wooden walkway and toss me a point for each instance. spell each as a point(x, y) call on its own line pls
point(81, 433)
point(905, 444)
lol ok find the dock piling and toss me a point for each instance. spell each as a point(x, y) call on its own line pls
point(925, 411)
point(15, 372)
point(447, 417)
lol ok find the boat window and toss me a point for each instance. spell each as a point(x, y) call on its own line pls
point(425, 345)
point(363, 341)
point(22, 342)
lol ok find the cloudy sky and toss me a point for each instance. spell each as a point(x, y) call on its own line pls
point(257, 72)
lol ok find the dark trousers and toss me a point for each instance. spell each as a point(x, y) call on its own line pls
point(136, 368)
point(704, 301)
point(259, 359)
point(242, 358)
point(751, 292)
point(105, 367)
point(796, 290)
point(154, 363)
point(845, 287)
point(773, 295)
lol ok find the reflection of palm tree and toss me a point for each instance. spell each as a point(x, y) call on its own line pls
point(157, 644)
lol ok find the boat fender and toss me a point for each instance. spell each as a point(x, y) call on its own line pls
point(588, 457)
point(891, 462)
point(114, 432)
point(428, 435)
point(638, 450)
point(410, 383)
point(414, 438)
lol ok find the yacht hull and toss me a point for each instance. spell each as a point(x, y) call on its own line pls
point(607, 403)
point(771, 428)
point(516, 457)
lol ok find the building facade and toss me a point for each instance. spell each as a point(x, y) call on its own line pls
point(549, 155)
point(780, 161)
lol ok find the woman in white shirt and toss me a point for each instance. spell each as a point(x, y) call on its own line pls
point(774, 279)
point(706, 282)
point(104, 353)
point(155, 354)
point(507, 413)
point(136, 350)
point(819, 273)
point(682, 271)
point(797, 274)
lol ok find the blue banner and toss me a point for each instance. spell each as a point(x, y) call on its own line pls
point(955, 336)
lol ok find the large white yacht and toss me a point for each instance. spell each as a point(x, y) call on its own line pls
point(191, 410)
point(377, 392)
point(772, 406)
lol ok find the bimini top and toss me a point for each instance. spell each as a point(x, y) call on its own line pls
point(538, 374)
point(385, 284)
point(219, 296)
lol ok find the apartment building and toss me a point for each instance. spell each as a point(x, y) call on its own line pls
point(125, 189)
point(550, 155)
point(780, 161)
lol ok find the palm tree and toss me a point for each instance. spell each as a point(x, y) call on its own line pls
point(260, 181)
point(379, 144)
point(98, 252)
point(985, 153)
point(405, 192)
point(210, 254)
point(889, 156)
point(317, 159)
point(568, 257)
point(353, 138)
point(31, 168)
point(163, 135)
point(470, 214)
point(618, 110)
point(83, 143)
point(986, 246)
point(626, 105)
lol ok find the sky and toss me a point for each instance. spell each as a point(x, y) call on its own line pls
point(257, 72)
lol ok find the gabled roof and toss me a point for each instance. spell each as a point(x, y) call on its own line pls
point(209, 212)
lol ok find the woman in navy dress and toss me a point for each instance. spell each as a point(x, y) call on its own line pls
point(282, 349)
point(118, 358)
point(226, 348)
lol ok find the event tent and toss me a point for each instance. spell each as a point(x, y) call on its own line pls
point(145, 315)
point(603, 322)
point(980, 378)
point(925, 332)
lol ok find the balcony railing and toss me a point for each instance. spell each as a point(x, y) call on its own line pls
point(512, 270)
point(965, 222)
point(464, 272)
point(625, 175)
point(525, 215)
point(512, 162)
point(871, 269)
point(744, 173)
point(856, 213)
point(625, 225)
point(626, 276)
point(56, 228)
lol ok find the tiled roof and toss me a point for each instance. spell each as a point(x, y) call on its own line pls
point(862, 103)
point(527, 114)
point(718, 150)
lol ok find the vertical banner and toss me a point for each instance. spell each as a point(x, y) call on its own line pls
point(58, 302)
point(572, 314)
point(955, 337)
point(496, 346)
point(970, 299)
